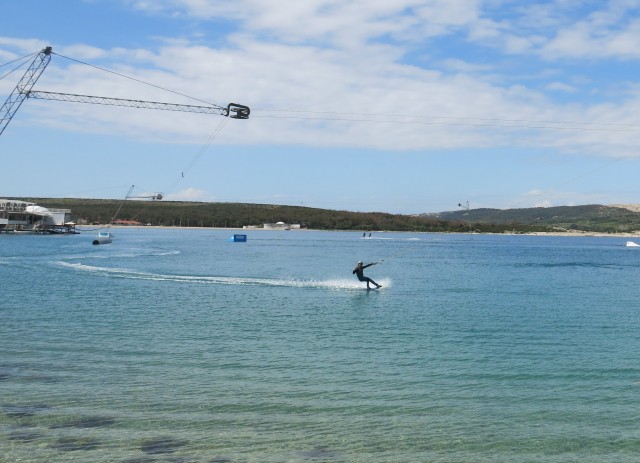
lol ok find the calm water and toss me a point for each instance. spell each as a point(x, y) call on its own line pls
point(178, 346)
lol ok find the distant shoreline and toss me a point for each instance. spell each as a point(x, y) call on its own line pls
point(573, 233)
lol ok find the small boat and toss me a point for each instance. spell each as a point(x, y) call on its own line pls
point(631, 244)
point(103, 238)
point(69, 228)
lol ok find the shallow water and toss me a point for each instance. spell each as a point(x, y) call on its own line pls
point(177, 345)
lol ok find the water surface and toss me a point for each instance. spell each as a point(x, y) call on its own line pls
point(177, 345)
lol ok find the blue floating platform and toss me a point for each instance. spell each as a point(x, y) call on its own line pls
point(238, 238)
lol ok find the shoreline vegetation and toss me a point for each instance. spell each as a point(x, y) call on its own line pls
point(589, 220)
point(636, 234)
point(572, 233)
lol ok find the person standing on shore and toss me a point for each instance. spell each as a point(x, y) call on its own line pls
point(359, 272)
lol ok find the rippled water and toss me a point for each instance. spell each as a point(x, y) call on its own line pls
point(177, 345)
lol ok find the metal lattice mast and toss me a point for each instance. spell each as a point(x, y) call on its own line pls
point(233, 110)
point(23, 88)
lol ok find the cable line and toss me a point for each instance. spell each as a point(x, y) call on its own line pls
point(25, 58)
point(134, 79)
point(202, 149)
point(418, 116)
point(199, 154)
point(507, 123)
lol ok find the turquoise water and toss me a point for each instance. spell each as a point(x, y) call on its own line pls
point(177, 346)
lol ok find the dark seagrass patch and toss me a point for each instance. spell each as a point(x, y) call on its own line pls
point(72, 444)
point(162, 445)
point(24, 435)
point(86, 422)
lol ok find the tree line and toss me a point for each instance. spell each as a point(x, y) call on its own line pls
point(238, 215)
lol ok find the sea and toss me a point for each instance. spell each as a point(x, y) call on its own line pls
point(177, 345)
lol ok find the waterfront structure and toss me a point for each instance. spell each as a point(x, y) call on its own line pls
point(16, 216)
point(276, 226)
point(282, 226)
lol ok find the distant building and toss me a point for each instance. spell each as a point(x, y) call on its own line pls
point(276, 226)
point(129, 223)
point(281, 226)
point(24, 216)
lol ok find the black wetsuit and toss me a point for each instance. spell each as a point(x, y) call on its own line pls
point(359, 272)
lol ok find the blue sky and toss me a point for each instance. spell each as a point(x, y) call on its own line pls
point(403, 106)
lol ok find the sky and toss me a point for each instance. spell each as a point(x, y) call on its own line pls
point(403, 106)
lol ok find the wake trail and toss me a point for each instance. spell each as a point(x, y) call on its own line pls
point(336, 284)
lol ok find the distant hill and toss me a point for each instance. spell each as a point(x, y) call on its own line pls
point(631, 207)
point(237, 215)
point(594, 217)
point(590, 218)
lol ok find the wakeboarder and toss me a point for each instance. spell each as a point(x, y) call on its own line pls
point(359, 272)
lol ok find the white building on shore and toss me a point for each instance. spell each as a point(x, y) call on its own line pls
point(281, 226)
point(24, 216)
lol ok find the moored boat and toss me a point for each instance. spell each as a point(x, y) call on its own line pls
point(103, 238)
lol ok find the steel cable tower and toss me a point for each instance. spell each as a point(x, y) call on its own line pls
point(20, 93)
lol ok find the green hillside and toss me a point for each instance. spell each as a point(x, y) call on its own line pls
point(594, 217)
point(236, 215)
point(591, 218)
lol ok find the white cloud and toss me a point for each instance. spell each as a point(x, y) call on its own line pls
point(561, 87)
point(579, 31)
point(553, 197)
point(423, 109)
point(21, 46)
point(458, 65)
point(189, 194)
point(344, 22)
point(545, 203)
point(291, 69)
point(518, 44)
point(82, 52)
